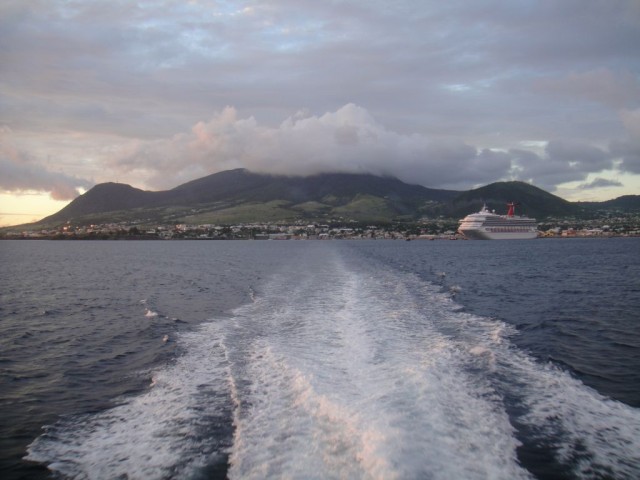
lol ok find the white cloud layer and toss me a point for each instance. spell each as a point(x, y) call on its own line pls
point(351, 140)
point(347, 140)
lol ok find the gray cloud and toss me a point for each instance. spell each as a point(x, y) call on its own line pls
point(563, 161)
point(616, 89)
point(272, 59)
point(27, 177)
point(447, 92)
point(20, 172)
point(599, 183)
point(629, 153)
point(578, 155)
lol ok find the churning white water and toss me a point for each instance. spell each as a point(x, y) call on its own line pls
point(340, 370)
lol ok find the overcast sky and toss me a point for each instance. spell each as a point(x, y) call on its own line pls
point(448, 94)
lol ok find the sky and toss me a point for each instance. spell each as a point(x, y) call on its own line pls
point(449, 94)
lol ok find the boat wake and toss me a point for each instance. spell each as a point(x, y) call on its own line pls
point(339, 370)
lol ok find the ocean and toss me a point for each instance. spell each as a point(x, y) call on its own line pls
point(320, 359)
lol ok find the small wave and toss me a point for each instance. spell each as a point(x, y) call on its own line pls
point(454, 290)
point(148, 312)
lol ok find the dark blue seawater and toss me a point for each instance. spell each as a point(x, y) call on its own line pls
point(337, 359)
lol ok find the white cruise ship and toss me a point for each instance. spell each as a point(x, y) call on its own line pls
point(486, 225)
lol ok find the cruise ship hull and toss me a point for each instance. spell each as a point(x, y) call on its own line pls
point(480, 234)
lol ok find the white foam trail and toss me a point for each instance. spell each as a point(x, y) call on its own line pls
point(339, 386)
point(381, 376)
point(594, 436)
point(159, 434)
point(600, 436)
point(307, 431)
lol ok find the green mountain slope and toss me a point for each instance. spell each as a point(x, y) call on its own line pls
point(216, 197)
point(626, 204)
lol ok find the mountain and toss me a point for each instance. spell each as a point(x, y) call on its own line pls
point(243, 185)
point(625, 204)
point(106, 197)
point(531, 201)
point(240, 196)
